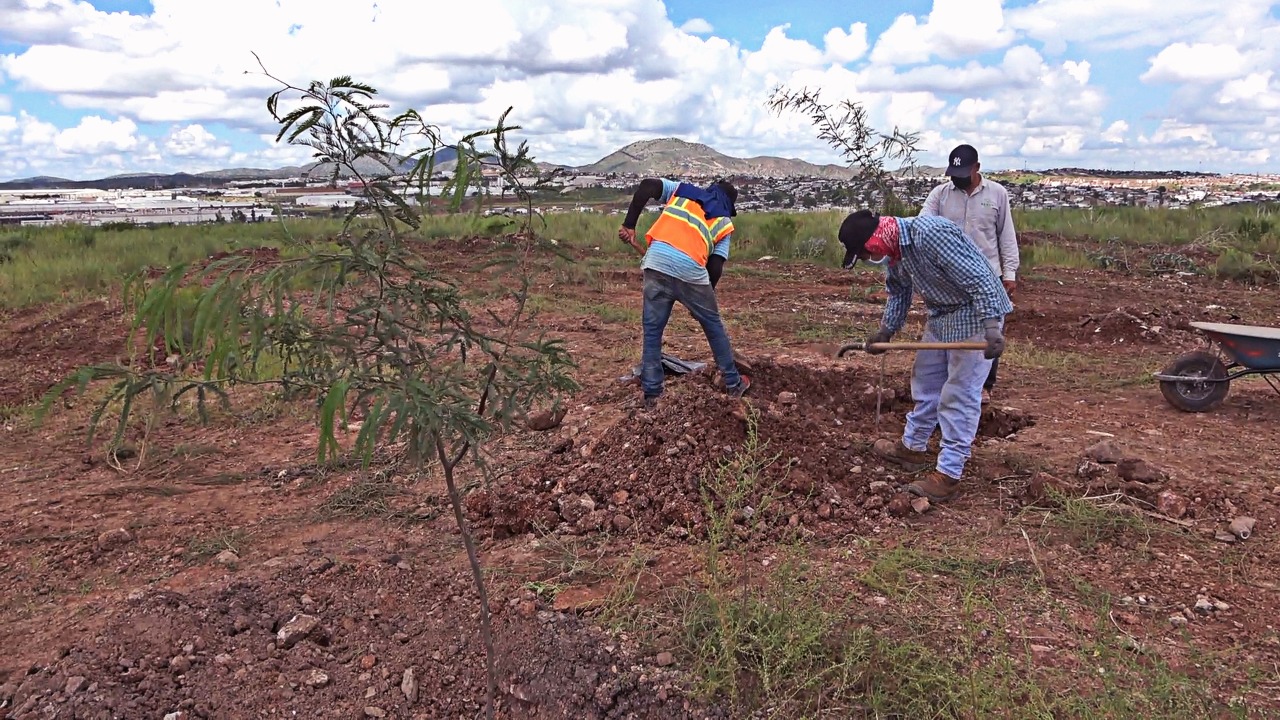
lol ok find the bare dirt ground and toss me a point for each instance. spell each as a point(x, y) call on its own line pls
point(220, 573)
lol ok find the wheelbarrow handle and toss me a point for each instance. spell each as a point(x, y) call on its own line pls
point(844, 350)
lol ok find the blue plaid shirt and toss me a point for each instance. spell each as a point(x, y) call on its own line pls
point(949, 272)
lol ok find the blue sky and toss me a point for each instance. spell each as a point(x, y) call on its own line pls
point(95, 88)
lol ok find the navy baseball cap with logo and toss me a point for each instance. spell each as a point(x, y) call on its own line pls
point(961, 161)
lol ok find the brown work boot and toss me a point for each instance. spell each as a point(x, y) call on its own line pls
point(934, 485)
point(896, 452)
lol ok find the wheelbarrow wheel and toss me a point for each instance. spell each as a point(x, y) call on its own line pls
point(1196, 396)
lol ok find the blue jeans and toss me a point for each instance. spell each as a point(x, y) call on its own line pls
point(661, 292)
point(947, 388)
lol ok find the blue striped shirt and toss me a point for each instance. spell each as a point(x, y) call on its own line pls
point(668, 260)
point(951, 275)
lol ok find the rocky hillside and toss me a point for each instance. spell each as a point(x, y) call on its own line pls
point(675, 157)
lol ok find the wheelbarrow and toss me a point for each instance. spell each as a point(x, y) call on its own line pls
point(1198, 381)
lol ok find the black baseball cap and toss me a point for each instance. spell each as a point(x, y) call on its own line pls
point(961, 161)
point(855, 231)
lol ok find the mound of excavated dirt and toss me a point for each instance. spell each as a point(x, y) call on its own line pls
point(318, 640)
point(1127, 326)
point(648, 473)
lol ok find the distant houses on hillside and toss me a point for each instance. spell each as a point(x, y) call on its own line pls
point(256, 200)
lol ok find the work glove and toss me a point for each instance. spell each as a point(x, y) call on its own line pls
point(995, 339)
point(881, 336)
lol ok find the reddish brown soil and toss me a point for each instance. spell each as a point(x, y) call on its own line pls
point(115, 606)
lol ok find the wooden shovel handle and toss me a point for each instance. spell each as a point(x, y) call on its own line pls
point(928, 346)
point(912, 346)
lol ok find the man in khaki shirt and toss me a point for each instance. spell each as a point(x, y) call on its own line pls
point(981, 208)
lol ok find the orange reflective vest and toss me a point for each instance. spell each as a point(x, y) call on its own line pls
point(683, 225)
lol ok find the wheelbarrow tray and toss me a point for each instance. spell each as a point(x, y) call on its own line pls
point(1250, 346)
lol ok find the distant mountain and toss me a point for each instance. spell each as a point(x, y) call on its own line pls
point(675, 157)
point(42, 179)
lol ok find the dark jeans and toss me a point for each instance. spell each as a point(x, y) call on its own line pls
point(991, 376)
point(661, 293)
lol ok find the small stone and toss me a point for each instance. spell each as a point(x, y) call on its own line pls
point(900, 505)
point(113, 539)
point(879, 486)
point(824, 511)
point(548, 419)
point(222, 659)
point(620, 498)
point(176, 716)
point(307, 601)
point(296, 629)
point(920, 505)
point(1242, 527)
point(1204, 605)
point(368, 661)
point(1139, 470)
point(1220, 606)
point(317, 678)
point(787, 398)
point(575, 507)
point(621, 523)
point(227, 558)
point(1090, 470)
point(75, 684)
point(1177, 621)
point(409, 686)
point(374, 712)
point(179, 664)
point(665, 659)
point(1106, 452)
point(1171, 504)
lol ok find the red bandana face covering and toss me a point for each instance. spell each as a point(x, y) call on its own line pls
point(884, 241)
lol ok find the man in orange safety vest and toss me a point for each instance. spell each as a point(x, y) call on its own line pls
point(685, 254)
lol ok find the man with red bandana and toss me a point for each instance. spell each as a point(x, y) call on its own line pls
point(966, 302)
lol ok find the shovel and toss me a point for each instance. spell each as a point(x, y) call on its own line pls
point(850, 347)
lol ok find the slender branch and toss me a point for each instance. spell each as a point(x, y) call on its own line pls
point(477, 573)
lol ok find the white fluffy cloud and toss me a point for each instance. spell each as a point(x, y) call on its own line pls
point(697, 26)
point(1195, 63)
point(955, 29)
point(1025, 84)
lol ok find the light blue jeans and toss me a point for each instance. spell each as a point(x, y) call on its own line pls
point(947, 388)
point(661, 293)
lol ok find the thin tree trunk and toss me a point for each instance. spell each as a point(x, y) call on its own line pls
point(477, 576)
